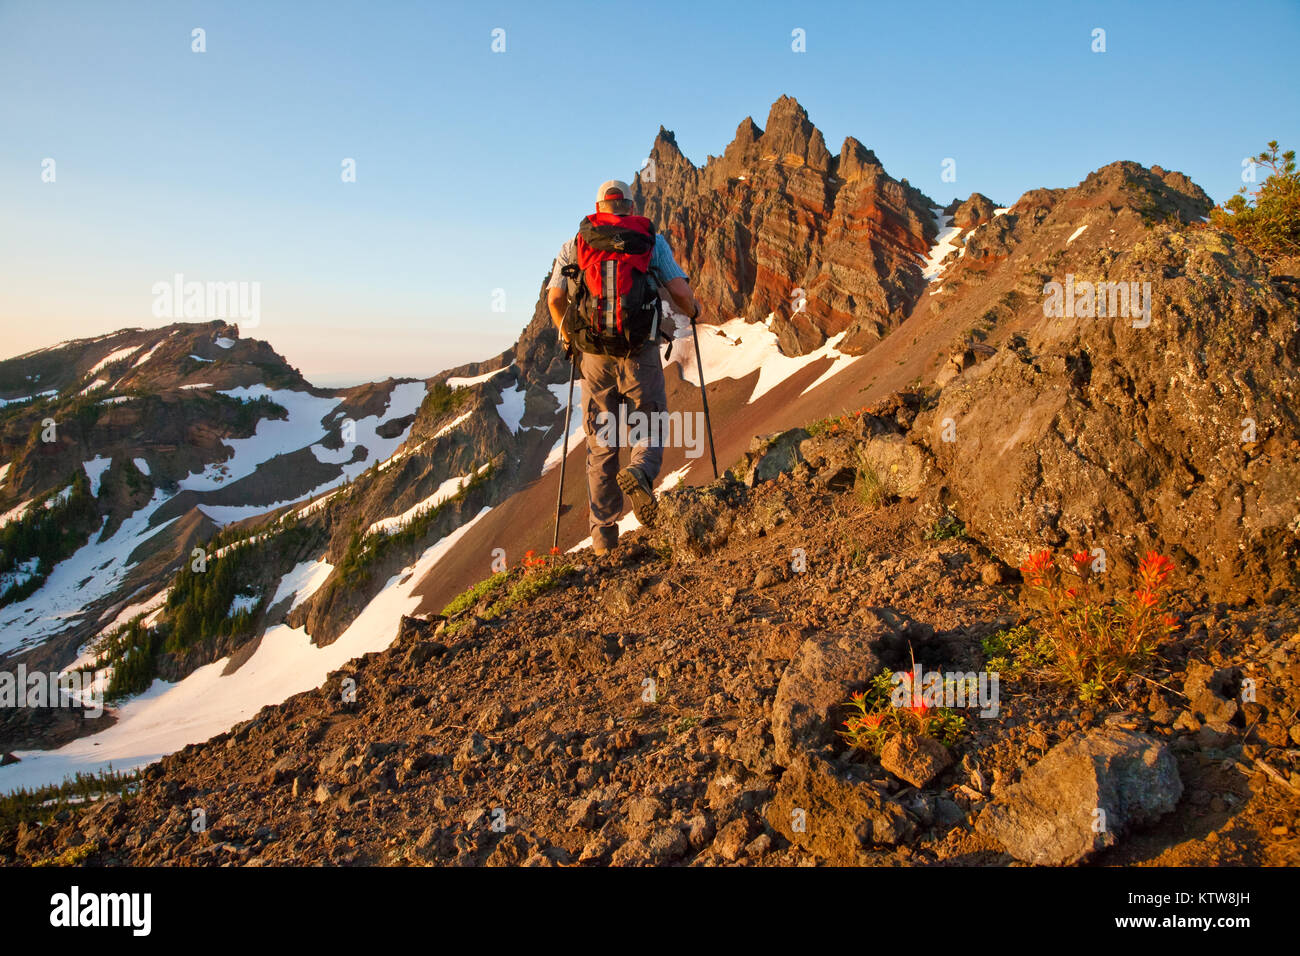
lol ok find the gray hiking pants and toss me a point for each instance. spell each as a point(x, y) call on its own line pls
point(607, 382)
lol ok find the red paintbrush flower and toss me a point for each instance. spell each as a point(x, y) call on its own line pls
point(1154, 568)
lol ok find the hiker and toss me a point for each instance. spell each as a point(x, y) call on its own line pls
point(617, 337)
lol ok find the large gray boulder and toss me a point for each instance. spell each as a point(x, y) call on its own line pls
point(1082, 796)
point(826, 669)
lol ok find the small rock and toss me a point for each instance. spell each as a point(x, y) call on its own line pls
point(731, 839)
point(474, 748)
point(915, 758)
point(644, 809)
point(666, 845)
point(582, 814)
point(699, 830)
point(494, 716)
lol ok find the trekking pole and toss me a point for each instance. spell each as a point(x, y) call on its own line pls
point(704, 395)
point(564, 451)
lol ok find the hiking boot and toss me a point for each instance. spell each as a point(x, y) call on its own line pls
point(603, 544)
point(637, 487)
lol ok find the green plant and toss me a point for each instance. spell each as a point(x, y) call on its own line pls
point(529, 586)
point(535, 576)
point(441, 399)
point(473, 594)
point(868, 486)
point(132, 651)
point(681, 725)
point(876, 715)
point(834, 424)
point(946, 526)
point(73, 856)
point(1268, 220)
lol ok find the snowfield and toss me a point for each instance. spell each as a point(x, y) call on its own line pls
point(403, 400)
point(90, 574)
point(272, 437)
point(169, 716)
point(738, 348)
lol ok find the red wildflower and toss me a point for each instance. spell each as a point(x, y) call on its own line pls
point(1153, 570)
point(1036, 568)
point(1146, 597)
point(1080, 558)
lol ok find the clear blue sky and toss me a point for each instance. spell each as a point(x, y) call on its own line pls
point(473, 166)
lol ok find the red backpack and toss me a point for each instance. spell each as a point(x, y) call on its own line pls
point(613, 298)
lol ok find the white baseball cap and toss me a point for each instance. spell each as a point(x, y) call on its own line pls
point(612, 186)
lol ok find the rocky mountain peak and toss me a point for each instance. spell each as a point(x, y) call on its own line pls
point(791, 139)
point(855, 161)
point(777, 213)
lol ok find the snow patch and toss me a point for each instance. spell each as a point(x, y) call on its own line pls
point(112, 357)
point(944, 244)
point(272, 437)
point(28, 398)
point(243, 602)
point(737, 348)
point(446, 490)
point(403, 400)
point(511, 408)
point(576, 434)
point(147, 355)
point(14, 513)
point(1076, 234)
point(302, 582)
point(141, 464)
point(466, 381)
point(95, 469)
point(224, 343)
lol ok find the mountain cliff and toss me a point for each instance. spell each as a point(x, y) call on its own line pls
point(778, 226)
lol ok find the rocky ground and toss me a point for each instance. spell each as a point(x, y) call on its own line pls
point(675, 702)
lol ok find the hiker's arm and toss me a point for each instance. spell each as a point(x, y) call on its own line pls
point(683, 298)
point(557, 300)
